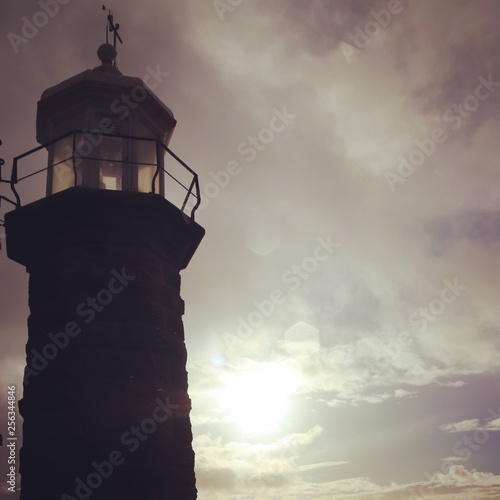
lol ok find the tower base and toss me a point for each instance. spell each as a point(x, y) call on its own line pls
point(105, 405)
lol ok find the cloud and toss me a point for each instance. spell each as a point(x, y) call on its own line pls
point(240, 465)
point(457, 383)
point(463, 426)
point(472, 424)
point(460, 477)
point(458, 484)
point(321, 465)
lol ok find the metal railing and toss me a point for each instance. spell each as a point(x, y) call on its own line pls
point(76, 158)
point(2, 163)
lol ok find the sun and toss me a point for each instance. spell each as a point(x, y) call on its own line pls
point(257, 397)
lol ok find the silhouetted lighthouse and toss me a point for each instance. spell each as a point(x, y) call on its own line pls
point(105, 406)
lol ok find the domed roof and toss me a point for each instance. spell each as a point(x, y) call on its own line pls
point(102, 84)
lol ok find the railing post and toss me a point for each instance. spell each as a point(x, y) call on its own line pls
point(13, 181)
point(188, 194)
point(198, 196)
point(157, 173)
point(73, 163)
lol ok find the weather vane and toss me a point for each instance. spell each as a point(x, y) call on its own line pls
point(112, 27)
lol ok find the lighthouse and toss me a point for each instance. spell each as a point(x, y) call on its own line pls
point(105, 405)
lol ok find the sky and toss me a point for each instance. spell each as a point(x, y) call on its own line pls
point(342, 318)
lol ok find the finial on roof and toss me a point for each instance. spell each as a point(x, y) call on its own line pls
point(107, 53)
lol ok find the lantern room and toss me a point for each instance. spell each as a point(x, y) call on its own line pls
point(104, 130)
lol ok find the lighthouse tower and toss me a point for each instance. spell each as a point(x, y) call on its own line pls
point(105, 404)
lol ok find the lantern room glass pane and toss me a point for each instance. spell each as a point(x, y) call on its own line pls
point(111, 163)
point(146, 166)
point(63, 173)
point(145, 179)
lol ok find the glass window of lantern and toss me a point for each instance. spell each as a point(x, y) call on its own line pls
point(146, 166)
point(111, 163)
point(63, 168)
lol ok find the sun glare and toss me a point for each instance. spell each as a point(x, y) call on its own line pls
point(257, 397)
